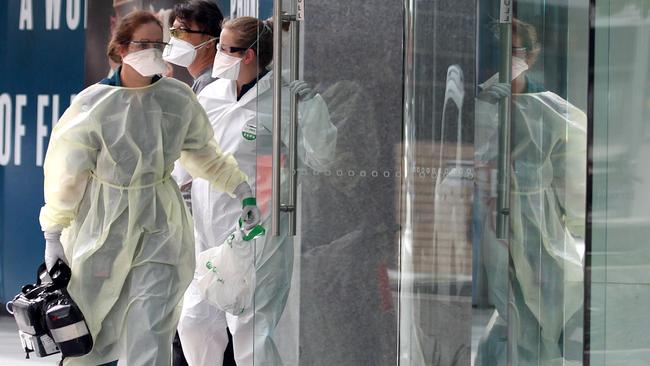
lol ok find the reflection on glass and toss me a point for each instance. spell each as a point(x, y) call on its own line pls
point(436, 251)
point(534, 278)
point(526, 304)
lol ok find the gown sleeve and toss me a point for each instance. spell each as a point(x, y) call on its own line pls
point(202, 157)
point(70, 158)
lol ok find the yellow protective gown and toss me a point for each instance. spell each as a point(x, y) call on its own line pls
point(129, 237)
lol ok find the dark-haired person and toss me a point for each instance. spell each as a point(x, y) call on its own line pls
point(195, 28)
point(239, 105)
point(126, 233)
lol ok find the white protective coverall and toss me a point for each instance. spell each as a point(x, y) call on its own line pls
point(548, 190)
point(243, 128)
point(129, 237)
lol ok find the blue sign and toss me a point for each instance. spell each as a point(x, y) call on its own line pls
point(41, 69)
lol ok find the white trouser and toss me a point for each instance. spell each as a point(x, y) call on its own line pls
point(202, 328)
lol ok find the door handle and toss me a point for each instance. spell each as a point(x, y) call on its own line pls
point(503, 164)
point(277, 117)
point(276, 206)
point(293, 127)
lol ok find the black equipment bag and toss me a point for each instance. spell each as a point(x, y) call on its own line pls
point(48, 320)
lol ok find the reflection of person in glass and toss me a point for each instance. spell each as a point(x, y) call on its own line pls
point(547, 198)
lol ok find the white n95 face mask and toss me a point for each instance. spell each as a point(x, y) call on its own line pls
point(519, 65)
point(225, 66)
point(181, 53)
point(147, 62)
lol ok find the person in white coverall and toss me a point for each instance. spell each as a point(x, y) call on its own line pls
point(547, 205)
point(126, 233)
point(239, 106)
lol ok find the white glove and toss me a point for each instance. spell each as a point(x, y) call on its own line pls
point(53, 249)
point(302, 89)
point(250, 214)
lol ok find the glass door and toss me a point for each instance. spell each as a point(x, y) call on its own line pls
point(327, 282)
point(426, 184)
point(493, 207)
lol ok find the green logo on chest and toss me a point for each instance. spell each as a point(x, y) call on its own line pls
point(249, 132)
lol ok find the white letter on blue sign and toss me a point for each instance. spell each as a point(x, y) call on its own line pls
point(73, 13)
point(5, 129)
point(41, 129)
point(26, 21)
point(21, 101)
point(52, 14)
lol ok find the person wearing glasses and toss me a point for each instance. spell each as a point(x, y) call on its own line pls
point(195, 28)
point(239, 105)
point(112, 210)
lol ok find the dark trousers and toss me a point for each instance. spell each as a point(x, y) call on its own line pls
point(178, 359)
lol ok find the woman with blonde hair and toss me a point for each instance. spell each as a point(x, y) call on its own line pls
point(239, 105)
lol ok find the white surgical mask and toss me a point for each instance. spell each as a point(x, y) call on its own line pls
point(180, 52)
point(147, 62)
point(519, 65)
point(225, 66)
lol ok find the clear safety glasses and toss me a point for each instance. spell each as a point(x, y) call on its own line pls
point(143, 45)
point(182, 33)
point(227, 49)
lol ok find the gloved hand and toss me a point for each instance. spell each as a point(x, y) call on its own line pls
point(250, 214)
point(495, 92)
point(53, 249)
point(302, 89)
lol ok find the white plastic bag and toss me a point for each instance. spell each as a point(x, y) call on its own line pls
point(226, 274)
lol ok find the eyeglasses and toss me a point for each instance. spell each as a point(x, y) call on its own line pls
point(181, 32)
point(143, 45)
point(230, 49)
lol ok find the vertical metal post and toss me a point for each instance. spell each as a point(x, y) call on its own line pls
point(505, 74)
point(293, 132)
point(503, 175)
point(277, 115)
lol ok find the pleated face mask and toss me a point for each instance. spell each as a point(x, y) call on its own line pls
point(182, 53)
point(225, 66)
point(146, 62)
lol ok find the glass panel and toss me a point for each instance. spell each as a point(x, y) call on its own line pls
point(528, 292)
point(620, 226)
point(524, 302)
point(332, 288)
point(436, 250)
point(451, 292)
